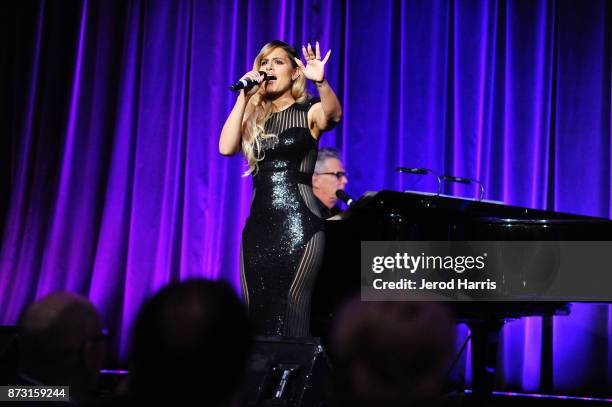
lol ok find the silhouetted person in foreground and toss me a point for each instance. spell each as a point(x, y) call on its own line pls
point(389, 354)
point(61, 343)
point(190, 346)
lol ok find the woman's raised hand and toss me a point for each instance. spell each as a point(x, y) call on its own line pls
point(314, 69)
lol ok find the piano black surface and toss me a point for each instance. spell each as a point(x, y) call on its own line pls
point(402, 216)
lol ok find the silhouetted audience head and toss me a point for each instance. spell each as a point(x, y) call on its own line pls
point(61, 343)
point(191, 342)
point(391, 353)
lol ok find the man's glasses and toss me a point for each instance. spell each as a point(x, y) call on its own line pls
point(337, 174)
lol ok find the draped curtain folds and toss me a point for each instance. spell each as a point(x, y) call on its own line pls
point(113, 110)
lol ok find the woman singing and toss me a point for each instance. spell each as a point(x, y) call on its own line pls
point(277, 127)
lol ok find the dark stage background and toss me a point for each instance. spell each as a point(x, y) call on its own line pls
point(112, 181)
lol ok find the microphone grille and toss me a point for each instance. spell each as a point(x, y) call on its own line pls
point(343, 196)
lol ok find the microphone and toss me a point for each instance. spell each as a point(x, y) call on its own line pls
point(344, 197)
point(247, 83)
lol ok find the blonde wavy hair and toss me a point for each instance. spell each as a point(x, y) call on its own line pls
point(253, 127)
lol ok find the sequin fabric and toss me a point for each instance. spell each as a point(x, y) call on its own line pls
point(283, 239)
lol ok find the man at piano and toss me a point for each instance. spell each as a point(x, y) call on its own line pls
point(328, 177)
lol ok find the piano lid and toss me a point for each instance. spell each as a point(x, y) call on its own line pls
point(424, 204)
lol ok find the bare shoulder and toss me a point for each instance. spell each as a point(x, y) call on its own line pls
point(314, 114)
point(248, 111)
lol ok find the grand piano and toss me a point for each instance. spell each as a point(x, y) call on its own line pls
point(404, 216)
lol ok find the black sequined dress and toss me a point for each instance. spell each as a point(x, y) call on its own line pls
point(283, 240)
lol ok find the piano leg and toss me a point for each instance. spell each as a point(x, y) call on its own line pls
point(485, 335)
point(546, 365)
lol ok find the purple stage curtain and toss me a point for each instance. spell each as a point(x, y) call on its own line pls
point(113, 184)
